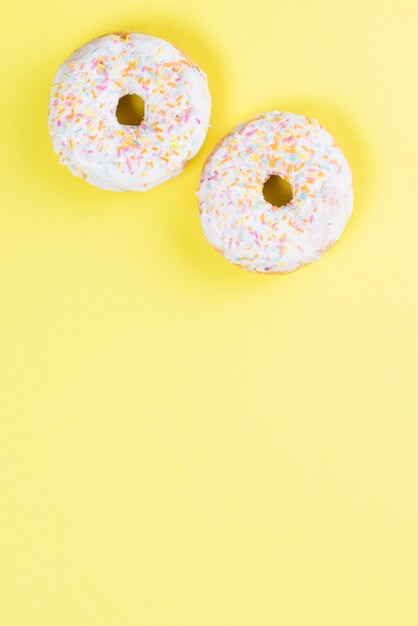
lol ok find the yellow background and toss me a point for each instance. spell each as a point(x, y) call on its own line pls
point(183, 443)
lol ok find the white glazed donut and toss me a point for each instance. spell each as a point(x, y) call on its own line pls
point(82, 114)
point(242, 225)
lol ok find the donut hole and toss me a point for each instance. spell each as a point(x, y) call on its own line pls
point(277, 191)
point(130, 110)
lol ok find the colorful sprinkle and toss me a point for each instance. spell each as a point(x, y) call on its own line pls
point(231, 202)
point(82, 113)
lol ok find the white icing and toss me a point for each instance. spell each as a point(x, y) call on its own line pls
point(82, 116)
point(242, 225)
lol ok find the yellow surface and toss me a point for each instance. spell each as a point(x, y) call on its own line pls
point(183, 443)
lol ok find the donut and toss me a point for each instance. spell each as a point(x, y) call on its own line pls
point(83, 126)
point(249, 231)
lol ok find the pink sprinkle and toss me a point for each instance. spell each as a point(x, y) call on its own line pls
point(129, 164)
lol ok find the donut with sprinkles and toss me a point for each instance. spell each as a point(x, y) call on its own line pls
point(86, 133)
point(249, 231)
